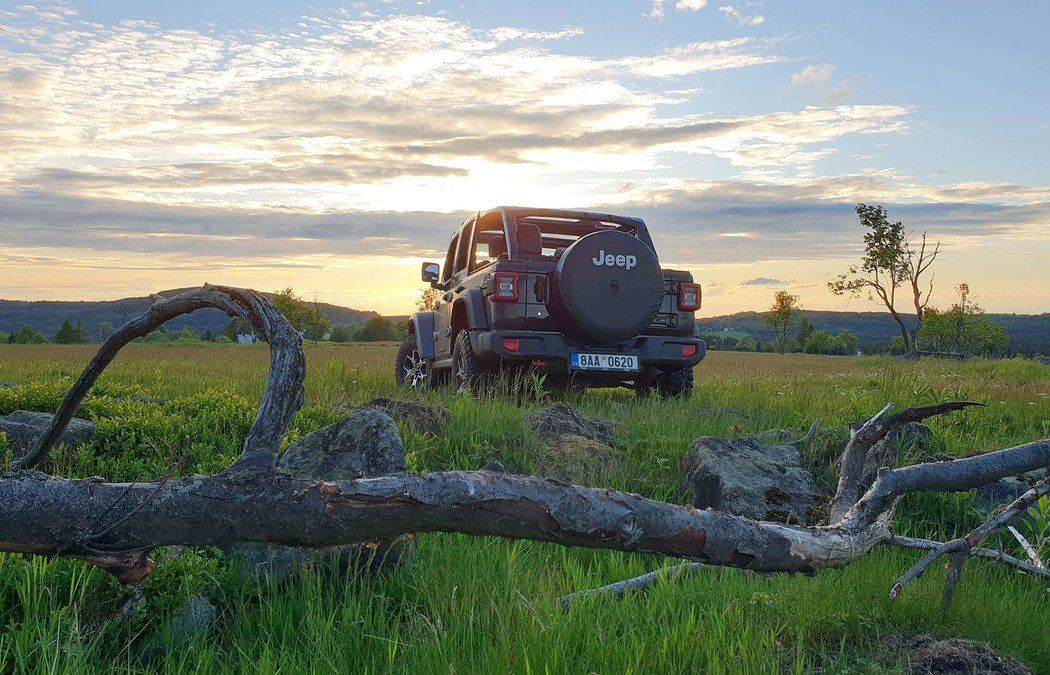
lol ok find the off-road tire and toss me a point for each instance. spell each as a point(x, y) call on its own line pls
point(675, 384)
point(411, 370)
point(468, 375)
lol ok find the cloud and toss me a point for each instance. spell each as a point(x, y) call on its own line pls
point(813, 74)
point(814, 219)
point(336, 100)
point(840, 91)
point(763, 281)
point(698, 57)
point(818, 79)
point(507, 33)
point(733, 15)
point(105, 246)
point(358, 113)
point(658, 12)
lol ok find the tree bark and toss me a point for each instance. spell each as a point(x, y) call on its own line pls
point(863, 439)
point(277, 509)
point(284, 385)
point(113, 525)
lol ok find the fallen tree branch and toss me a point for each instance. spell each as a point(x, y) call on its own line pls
point(956, 475)
point(172, 468)
point(229, 508)
point(284, 385)
point(990, 554)
point(642, 582)
point(955, 567)
point(861, 441)
point(639, 583)
point(1029, 550)
point(278, 509)
point(966, 544)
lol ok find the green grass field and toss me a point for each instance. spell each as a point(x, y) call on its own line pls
point(474, 605)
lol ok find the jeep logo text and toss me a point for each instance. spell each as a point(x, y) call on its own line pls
point(610, 260)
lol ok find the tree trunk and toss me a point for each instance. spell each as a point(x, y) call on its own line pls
point(105, 522)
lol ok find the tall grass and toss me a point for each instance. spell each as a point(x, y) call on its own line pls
point(485, 605)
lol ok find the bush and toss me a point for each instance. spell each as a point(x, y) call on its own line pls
point(377, 328)
point(346, 332)
point(26, 336)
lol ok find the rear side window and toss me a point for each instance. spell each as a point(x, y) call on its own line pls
point(450, 259)
point(463, 256)
point(490, 242)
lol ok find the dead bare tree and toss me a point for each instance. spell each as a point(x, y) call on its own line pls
point(115, 526)
point(890, 261)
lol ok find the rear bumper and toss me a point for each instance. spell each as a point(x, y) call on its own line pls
point(660, 351)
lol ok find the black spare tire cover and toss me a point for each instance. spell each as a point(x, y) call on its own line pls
point(610, 286)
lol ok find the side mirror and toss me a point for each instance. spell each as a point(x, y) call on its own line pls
point(430, 272)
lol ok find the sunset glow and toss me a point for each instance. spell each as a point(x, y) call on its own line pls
point(333, 148)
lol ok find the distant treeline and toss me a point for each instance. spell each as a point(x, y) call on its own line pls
point(376, 329)
point(805, 339)
point(874, 331)
point(47, 317)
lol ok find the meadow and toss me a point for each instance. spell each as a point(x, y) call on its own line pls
point(481, 605)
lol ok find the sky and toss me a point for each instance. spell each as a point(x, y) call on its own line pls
point(332, 147)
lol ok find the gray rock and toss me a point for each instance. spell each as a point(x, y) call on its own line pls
point(749, 478)
point(425, 417)
point(8, 385)
point(552, 422)
point(578, 460)
point(367, 443)
point(1006, 490)
point(23, 428)
point(1039, 358)
point(192, 619)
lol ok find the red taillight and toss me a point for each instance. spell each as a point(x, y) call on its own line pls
point(689, 297)
point(506, 287)
point(688, 351)
point(512, 345)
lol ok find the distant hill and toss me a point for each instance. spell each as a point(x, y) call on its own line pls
point(47, 315)
point(1029, 334)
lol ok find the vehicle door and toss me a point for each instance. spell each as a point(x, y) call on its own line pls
point(443, 306)
point(454, 286)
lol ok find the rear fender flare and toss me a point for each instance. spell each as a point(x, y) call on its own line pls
point(423, 326)
point(474, 303)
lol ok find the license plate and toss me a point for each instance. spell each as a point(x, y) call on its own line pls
point(604, 362)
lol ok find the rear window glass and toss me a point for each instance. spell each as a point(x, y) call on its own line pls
point(561, 233)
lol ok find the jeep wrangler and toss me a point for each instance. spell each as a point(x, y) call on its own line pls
point(577, 296)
